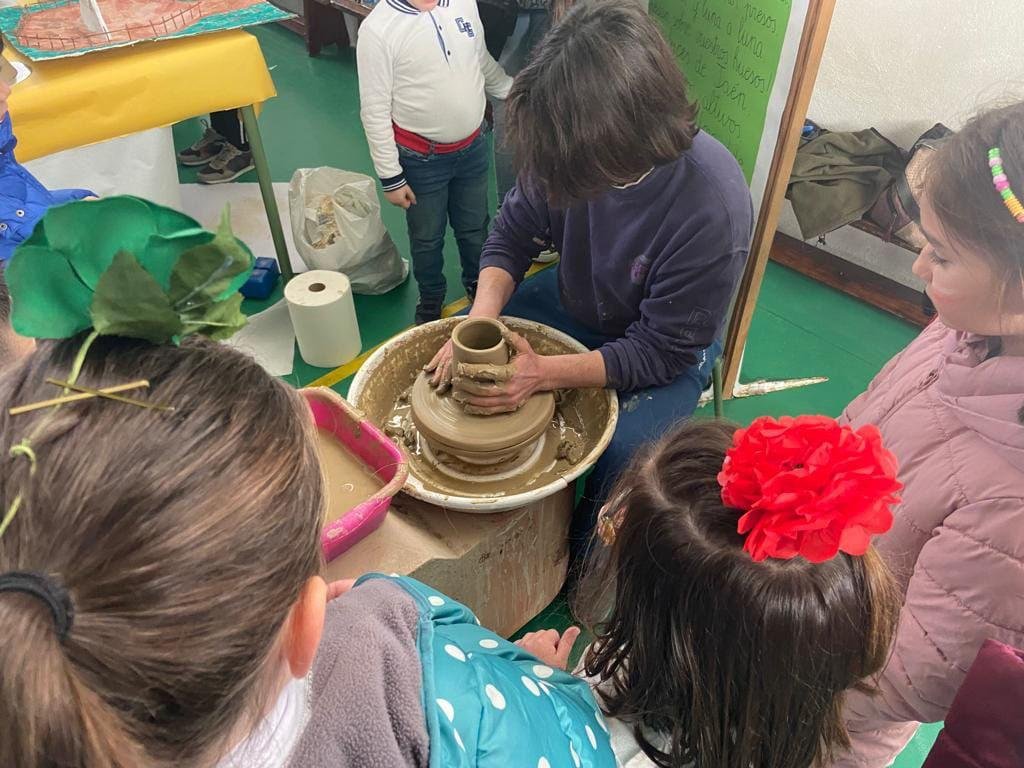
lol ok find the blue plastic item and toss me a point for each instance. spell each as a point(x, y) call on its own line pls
point(261, 282)
point(270, 265)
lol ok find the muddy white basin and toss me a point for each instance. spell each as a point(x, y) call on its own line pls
point(391, 370)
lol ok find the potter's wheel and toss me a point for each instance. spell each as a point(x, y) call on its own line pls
point(383, 390)
point(490, 441)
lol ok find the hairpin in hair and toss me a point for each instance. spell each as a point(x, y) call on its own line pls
point(809, 486)
point(610, 517)
point(609, 520)
point(1002, 185)
point(87, 393)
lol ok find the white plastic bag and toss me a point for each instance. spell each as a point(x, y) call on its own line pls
point(336, 224)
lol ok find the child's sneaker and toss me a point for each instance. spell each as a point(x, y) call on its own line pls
point(204, 150)
point(227, 166)
point(429, 309)
point(546, 257)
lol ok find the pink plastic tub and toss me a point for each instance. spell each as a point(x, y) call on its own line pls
point(363, 441)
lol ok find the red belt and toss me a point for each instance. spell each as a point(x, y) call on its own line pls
point(417, 143)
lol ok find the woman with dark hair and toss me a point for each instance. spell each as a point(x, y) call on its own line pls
point(652, 218)
point(515, 38)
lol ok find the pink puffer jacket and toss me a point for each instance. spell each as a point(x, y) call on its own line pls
point(949, 409)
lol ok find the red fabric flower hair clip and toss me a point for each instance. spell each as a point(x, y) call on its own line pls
point(809, 487)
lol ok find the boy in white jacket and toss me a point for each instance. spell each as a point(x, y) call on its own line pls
point(424, 75)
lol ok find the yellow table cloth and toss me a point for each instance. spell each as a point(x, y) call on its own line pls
point(84, 100)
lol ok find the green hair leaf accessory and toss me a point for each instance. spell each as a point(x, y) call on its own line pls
point(120, 266)
point(123, 266)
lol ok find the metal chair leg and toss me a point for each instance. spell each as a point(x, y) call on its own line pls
point(716, 383)
point(259, 159)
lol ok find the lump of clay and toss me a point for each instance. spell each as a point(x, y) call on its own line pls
point(570, 448)
point(478, 379)
point(487, 373)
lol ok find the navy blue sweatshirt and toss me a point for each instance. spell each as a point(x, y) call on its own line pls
point(652, 266)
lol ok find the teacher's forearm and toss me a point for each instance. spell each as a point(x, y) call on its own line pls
point(494, 288)
point(581, 371)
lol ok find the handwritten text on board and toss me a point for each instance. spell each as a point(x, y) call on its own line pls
point(729, 51)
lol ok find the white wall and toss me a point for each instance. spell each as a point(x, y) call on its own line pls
point(903, 65)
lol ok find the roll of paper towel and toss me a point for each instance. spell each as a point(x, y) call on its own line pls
point(324, 317)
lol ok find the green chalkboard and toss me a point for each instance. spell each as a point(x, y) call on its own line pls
point(729, 51)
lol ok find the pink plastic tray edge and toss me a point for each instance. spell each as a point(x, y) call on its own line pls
point(364, 519)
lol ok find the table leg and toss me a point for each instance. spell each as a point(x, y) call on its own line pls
point(259, 158)
point(314, 27)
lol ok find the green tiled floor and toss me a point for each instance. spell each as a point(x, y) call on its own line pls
point(800, 329)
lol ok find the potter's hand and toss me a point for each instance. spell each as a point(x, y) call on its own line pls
point(472, 380)
point(550, 647)
point(441, 367)
point(507, 391)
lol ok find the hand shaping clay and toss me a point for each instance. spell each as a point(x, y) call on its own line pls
point(480, 357)
point(580, 419)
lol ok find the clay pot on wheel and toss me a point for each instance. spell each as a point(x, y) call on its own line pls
point(471, 439)
point(479, 340)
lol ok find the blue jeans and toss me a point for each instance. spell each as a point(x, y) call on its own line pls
point(644, 415)
point(449, 187)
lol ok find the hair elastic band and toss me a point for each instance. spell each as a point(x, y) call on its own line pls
point(1002, 185)
point(46, 589)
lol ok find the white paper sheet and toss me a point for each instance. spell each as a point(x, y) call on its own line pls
point(142, 164)
point(248, 216)
point(270, 339)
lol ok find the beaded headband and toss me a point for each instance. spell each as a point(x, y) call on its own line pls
point(1002, 185)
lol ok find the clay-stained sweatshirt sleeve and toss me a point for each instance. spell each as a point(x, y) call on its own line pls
point(681, 314)
point(521, 231)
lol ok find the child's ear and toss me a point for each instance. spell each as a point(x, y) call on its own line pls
point(305, 627)
point(13, 347)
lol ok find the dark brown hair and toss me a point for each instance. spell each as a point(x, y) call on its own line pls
point(601, 102)
point(718, 661)
point(959, 187)
point(5, 302)
point(558, 8)
point(183, 539)
point(6, 331)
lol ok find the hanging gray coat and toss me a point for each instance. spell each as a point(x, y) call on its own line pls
point(838, 176)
